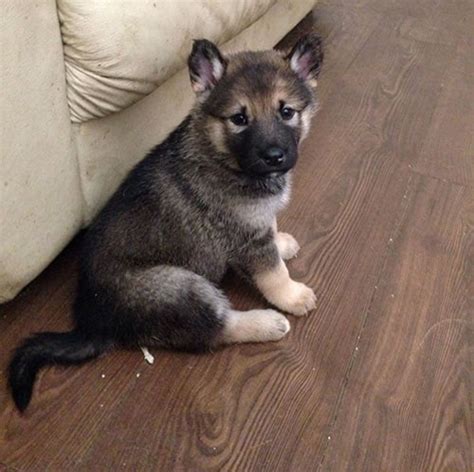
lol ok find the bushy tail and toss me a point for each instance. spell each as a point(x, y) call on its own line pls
point(43, 349)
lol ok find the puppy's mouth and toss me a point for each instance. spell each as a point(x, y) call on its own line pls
point(275, 173)
point(265, 175)
point(261, 171)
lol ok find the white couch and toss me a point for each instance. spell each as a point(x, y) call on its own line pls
point(87, 88)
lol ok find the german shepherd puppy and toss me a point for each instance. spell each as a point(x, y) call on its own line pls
point(202, 202)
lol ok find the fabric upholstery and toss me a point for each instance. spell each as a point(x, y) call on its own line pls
point(118, 51)
point(41, 201)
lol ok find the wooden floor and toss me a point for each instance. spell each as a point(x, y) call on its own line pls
point(380, 376)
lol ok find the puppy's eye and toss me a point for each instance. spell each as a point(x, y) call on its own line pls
point(287, 113)
point(239, 119)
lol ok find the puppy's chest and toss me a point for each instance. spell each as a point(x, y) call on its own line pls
point(229, 230)
point(261, 213)
point(247, 223)
point(225, 227)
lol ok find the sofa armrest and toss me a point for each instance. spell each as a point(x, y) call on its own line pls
point(41, 203)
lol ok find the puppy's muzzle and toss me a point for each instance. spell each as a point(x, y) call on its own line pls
point(274, 157)
point(274, 160)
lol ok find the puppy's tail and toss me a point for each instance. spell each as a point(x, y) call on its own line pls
point(44, 349)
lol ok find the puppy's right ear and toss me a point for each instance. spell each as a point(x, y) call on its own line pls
point(206, 66)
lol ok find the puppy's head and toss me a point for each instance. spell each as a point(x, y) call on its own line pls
point(256, 107)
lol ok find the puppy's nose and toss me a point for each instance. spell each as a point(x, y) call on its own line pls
point(274, 156)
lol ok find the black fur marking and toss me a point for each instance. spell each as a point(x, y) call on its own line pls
point(43, 349)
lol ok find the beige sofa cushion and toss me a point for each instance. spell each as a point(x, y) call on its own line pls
point(117, 51)
point(40, 197)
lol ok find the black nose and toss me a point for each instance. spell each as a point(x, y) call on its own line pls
point(274, 156)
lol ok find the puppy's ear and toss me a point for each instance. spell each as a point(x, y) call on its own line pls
point(206, 66)
point(306, 58)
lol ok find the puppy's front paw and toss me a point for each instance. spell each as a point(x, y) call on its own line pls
point(287, 245)
point(297, 299)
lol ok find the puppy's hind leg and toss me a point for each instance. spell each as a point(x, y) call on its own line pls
point(179, 309)
point(254, 326)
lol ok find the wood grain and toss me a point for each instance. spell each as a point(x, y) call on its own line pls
point(448, 150)
point(408, 402)
point(368, 381)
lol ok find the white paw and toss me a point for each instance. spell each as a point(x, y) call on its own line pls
point(287, 245)
point(255, 326)
point(274, 324)
point(297, 299)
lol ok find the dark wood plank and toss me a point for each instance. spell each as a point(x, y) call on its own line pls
point(408, 402)
point(409, 9)
point(448, 150)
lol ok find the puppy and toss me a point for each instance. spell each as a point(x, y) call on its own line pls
point(202, 202)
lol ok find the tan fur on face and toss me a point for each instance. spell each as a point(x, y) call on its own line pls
point(282, 93)
point(279, 88)
point(305, 119)
point(217, 132)
point(283, 292)
point(257, 84)
point(264, 106)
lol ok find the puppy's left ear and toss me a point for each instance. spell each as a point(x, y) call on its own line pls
point(206, 66)
point(306, 58)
